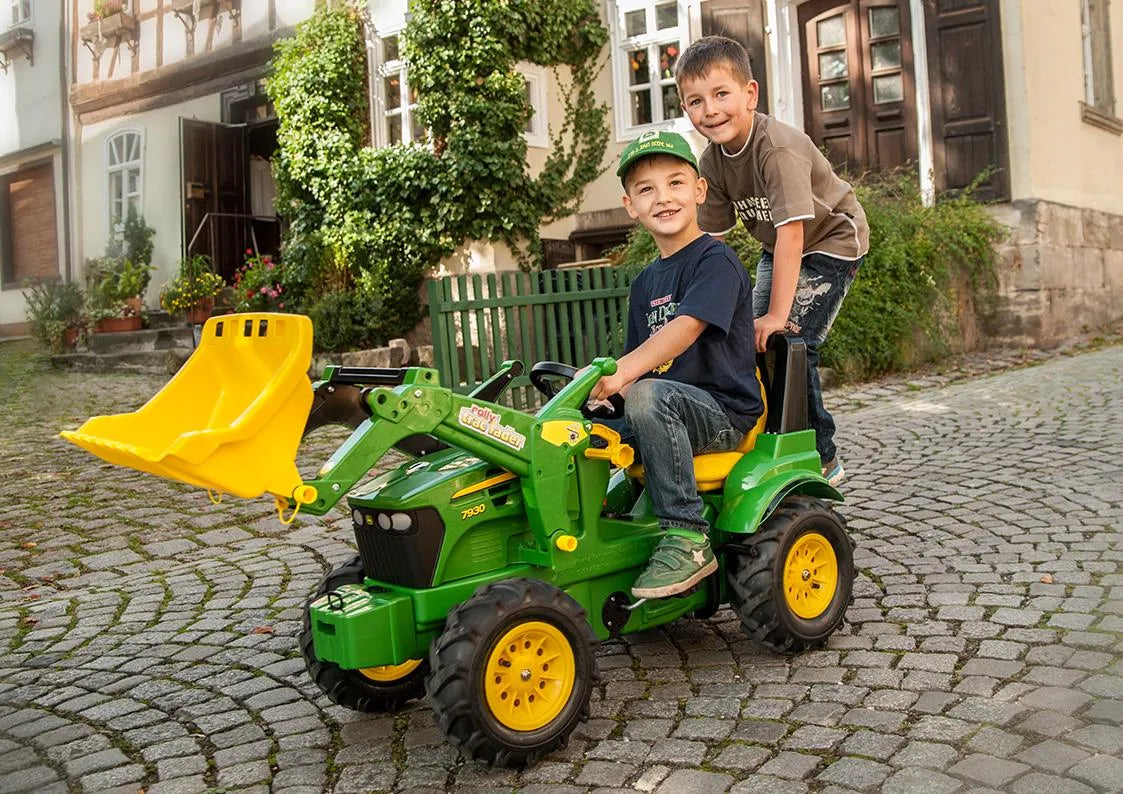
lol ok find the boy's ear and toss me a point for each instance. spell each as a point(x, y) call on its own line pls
point(700, 189)
point(753, 93)
point(628, 206)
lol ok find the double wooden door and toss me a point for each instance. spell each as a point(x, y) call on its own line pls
point(858, 85)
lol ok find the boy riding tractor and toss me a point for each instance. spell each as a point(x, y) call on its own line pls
point(492, 563)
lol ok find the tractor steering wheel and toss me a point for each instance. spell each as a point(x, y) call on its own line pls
point(550, 376)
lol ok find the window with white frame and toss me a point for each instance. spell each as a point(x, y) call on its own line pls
point(124, 165)
point(648, 36)
point(21, 11)
point(399, 102)
point(536, 130)
point(1095, 33)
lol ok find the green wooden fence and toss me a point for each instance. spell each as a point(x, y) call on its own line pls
point(569, 315)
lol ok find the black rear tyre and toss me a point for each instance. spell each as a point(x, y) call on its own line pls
point(375, 689)
point(513, 672)
point(792, 592)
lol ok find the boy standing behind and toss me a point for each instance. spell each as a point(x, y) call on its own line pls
point(689, 371)
point(772, 177)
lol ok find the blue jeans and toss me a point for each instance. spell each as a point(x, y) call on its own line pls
point(823, 283)
point(669, 423)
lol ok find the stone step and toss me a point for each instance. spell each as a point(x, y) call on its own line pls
point(154, 362)
point(145, 340)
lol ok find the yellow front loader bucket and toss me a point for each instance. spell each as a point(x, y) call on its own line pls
point(230, 420)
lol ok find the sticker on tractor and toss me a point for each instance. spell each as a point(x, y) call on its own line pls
point(561, 431)
point(472, 512)
point(486, 422)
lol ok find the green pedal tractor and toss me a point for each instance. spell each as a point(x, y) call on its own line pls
point(495, 559)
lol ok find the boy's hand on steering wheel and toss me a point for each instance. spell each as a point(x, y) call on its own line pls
point(607, 386)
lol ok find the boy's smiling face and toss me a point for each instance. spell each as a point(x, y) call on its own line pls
point(720, 106)
point(663, 193)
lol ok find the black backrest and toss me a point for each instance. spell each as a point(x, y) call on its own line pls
point(783, 368)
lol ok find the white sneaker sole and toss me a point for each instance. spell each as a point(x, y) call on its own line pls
point(677, 587)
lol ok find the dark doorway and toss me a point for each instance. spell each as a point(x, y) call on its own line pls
point(214, 192)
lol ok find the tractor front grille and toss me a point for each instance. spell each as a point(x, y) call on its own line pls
point(399, 546)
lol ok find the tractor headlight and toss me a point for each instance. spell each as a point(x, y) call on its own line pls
point(357, 517)
point(401, 522)
point(384, 520)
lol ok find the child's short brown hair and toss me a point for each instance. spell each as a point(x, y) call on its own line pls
point(709, 52)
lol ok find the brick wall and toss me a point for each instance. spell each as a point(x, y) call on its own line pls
point(1061, 272)
point(31, 207)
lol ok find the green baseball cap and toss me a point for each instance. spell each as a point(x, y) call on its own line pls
point(655, 142)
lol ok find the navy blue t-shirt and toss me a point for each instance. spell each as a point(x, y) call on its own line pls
point(707, 281)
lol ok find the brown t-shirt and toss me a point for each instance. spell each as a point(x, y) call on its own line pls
point(779, 177)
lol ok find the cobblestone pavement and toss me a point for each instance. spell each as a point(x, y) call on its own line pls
point(149, 636)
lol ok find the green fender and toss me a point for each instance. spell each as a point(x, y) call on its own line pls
point(765, 477)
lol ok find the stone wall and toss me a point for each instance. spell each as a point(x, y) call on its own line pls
point(1060, 273)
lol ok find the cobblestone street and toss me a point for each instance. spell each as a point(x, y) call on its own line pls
point(150, 636)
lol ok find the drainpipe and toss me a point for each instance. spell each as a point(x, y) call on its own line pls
point(64, 120)
point(925, 160)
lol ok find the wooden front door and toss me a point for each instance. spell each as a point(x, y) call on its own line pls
point(743, 21)
point(859, 95)
point(214, 184)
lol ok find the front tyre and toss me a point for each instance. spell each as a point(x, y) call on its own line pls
point(792, 592)
point(384, 688)
point(513, 672)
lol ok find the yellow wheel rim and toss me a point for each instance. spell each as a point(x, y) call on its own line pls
point(810, 576)
point(390, 672)
point(530, 676)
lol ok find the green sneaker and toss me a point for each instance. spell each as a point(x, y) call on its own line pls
point(677, 564)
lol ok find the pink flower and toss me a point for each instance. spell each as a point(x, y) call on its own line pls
point(249, 252)
point(264, 290)
point(281, 305)
point(268, 264)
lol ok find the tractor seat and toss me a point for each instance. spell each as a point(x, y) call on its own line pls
point(711, 469)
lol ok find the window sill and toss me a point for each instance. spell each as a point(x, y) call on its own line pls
point(1097, 118)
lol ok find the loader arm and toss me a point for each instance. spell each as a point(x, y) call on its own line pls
point(499, 435)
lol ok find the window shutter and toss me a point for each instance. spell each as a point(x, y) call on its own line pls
point(967, 95)
point(743, 21)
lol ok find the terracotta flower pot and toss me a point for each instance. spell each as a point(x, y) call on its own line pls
point(116, 325)
point(70, 338)
point(201, 311)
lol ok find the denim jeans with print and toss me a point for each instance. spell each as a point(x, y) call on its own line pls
point(823, 283)
point(669, 423)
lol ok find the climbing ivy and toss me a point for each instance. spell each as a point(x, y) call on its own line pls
point(382, 217)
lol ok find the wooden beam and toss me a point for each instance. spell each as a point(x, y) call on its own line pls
point(176, 82)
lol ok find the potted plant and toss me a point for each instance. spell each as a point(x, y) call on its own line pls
point(259, 285)
point(114, 287)
point(193, 290)
point(55, 312)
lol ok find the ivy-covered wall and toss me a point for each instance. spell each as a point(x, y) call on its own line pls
point(378, 219)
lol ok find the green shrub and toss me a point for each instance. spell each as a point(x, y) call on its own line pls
point(53, 308)
point(348, 320)
point(902, 307)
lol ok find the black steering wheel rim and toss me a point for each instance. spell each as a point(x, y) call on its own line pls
point(543, 375)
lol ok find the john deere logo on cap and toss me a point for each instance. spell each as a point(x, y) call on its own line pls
point(655, 142)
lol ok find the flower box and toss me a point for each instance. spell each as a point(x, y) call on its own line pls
point(16, 40)
point(119, 27)
point(116, 325)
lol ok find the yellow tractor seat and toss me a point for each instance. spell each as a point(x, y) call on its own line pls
point(711, 469)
